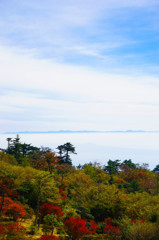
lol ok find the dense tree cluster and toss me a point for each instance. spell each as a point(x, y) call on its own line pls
point(42, 194)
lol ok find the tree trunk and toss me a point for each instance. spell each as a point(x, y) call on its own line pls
point(37, 208)
point(2, 200)
point(52, 229)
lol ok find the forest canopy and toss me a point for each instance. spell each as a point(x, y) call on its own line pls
point(43, 195)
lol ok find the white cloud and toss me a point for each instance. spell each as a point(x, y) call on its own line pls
point(41, 93)
point(25, 73)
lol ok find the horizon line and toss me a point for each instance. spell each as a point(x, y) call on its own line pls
point(82, 131)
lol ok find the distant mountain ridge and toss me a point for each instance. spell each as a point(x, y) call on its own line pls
point(80, 131)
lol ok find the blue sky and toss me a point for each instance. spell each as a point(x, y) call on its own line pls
point(83, 64)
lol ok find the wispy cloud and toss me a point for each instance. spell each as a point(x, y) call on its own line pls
point(55, 96)
point(67, 32)
point(79, 64)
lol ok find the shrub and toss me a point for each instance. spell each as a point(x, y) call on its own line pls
point(12, 209)
point(7, 202)
point(15, 227)
point(76, 227)
point(48, 208)
point(15, 211)
point(15, 231)
point(143, 231)
point(50, 222)
point(112, 231)
point(137, 232)
point(92, 226)
point(70, 212)
point(108, 227)
point(2, 230)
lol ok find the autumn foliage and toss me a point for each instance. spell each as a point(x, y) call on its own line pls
point(92, 226)
point(11, 231)
point(110, 229)
point(15, 211)
point(15, 227)
point(76, 227)
point(2, 230)
point(63, 190)
point(117, 201)
point(48, 208)
point(12, 209)
point(48, 161)
point(6, 187)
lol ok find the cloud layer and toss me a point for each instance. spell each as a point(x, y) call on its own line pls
point(42, 95)
point(79, 65)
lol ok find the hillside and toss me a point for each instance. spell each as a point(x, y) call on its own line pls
point(42, 196)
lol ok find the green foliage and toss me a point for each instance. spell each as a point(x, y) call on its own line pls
point(133, 186)
point(95, 171)
point(156, 169)
point(50, 222)
point(154, 217)
point(64, 153)
point(70, 211)
point(32, 229)
point(124, 192)
point(85, 213)
point(100, 212)
point(20, 150)
point(128, 163)
point(112, 166)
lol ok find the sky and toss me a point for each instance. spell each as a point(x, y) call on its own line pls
point(79, 65)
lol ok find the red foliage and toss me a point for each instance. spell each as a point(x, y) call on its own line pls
point(48, 208)
point(64, 185)
point(142, 221)
point(112, 230)
point(16, 211)
point(63, 197)
point(6, 185)
point(11, 193)
point(133, 221)
point(49, 237)
point(7, 201)
point(2, 230)
point(76, 227)
point(15, 227)
point(108, 221)
point(63, 190)
point(12, 209)
point(138, 174)
point(93, 226)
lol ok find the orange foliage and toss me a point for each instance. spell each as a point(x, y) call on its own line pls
point(49, 161)
point(12, 209)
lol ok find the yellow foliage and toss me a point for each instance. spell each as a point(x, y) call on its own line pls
point(141, 205)
point(145, 231)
